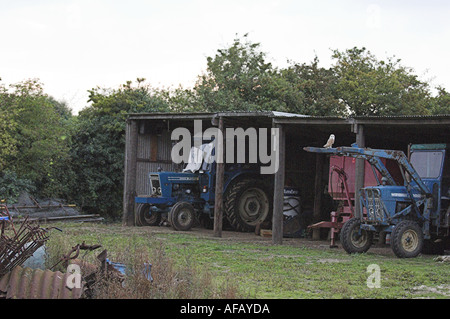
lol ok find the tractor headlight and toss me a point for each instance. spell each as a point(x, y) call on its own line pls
point(156, 191)
point(374, 205)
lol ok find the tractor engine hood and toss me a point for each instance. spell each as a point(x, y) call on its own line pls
point(162, 182)
point(167, 178)
point(399, 193)
point(383, 203)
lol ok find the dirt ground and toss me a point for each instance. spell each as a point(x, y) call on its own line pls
point(233, 236)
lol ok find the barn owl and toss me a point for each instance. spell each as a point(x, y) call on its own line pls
point(330, 141)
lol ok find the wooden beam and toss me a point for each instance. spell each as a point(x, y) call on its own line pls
point(278, 192)
point(129, 192)
point(318, 192)
point(220, 173)
point(359, 167)
point(153, 147)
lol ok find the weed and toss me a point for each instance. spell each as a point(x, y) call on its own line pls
point(191, 265)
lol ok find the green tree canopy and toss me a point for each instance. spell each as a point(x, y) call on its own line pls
point(33, 136)
point(237, 78)
point(98, 144)
point(376, 87)
point(8, 129)
point(441, 102)
point(240, 78)
point(311, 90)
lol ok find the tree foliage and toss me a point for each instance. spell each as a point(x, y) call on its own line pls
point(8, 129)
point(98, 144)
point(376, 87)
point(238, 78)
point(11, 186)
point(441, 102)
point(311, 90)
point(34, 136)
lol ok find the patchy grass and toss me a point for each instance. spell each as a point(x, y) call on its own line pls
point(209, 267)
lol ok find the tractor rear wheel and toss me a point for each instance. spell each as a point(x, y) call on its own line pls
point(247, 203)
point(407, 239)
point(182, 216)
point(144, 217)
point(353, 238)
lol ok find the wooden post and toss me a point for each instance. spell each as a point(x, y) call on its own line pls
point(318, 192)
point(220, 172)
point(278, 192)
point(153, 147)
point(129, 191)
point(359, 167)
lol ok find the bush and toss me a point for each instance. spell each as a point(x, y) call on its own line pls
point(11, 186)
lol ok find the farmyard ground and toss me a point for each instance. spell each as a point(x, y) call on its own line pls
point(300, 268)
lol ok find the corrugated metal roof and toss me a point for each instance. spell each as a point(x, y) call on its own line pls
point(435, 116)
point(268, 118)
point(438, 119)
point(170, 115)
point(275, 114)
point(27, 283)
point(206, 115)
point(264, 117)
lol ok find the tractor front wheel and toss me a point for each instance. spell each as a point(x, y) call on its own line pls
point(182, 216)
point(353, 238)
point(407, 239)
point(144, 217)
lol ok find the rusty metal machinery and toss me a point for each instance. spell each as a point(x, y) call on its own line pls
point(16, 246)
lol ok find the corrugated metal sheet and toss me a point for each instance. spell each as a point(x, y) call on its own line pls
point(27, 283)
point(374, 117)
point(142, 179)
point(143, 146)
point(210, 115)
point(268, 114)
point(144, 164)
point(165, 146)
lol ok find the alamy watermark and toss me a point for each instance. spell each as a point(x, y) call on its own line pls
point(262, 148)
point(374, 278)
point(74, 278)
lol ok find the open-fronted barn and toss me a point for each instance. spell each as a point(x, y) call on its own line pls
point(149, 147)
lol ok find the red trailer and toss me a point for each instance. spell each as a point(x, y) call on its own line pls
point(341, 187)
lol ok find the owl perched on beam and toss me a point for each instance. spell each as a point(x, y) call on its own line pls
point(330, 141)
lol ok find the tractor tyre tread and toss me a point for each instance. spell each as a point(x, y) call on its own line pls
point(141, 220)
point(173, 220)
point(346, 237)
point(232, 194)
point(396, 239)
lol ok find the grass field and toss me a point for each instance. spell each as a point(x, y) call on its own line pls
point(195, 264)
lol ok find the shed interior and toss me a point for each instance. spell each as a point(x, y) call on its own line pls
point(154, 142)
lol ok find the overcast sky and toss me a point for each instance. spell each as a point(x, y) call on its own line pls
point(73, 46)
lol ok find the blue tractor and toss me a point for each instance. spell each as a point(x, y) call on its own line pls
point(413, 210)
point(185, 198)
